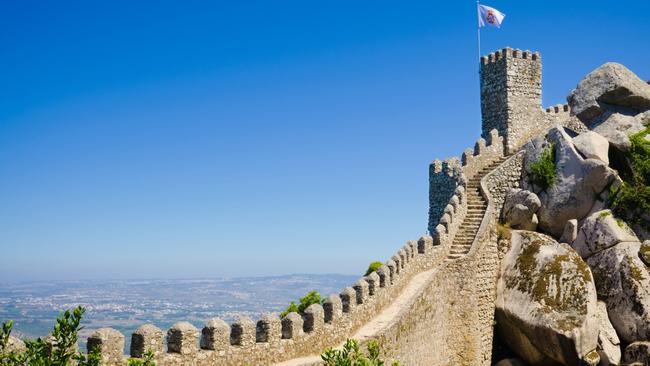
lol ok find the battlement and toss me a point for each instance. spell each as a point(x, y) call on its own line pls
point(510, 53)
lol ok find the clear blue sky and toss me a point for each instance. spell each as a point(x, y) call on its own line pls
point(187, 139)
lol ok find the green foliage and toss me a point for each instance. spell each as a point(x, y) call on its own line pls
point(351, 355)
point(543, 170)
point(60, 352)
point(373, 267)
point(632, 199)
point(146, 360)
point(313, 297)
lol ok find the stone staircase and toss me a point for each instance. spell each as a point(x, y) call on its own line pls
point(476, 206)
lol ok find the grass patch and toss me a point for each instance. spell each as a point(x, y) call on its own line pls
point(543, 170)
point(632, 199)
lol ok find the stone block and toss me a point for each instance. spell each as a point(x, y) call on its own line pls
point(110, 344)
point(333, 308)
point(182, 338)
point(243, 332)
point(314, 318)
point(147, 338)
point(292, 325)
point(215, 335)
point(269, 329)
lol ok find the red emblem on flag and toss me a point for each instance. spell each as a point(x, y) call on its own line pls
point(490, 17)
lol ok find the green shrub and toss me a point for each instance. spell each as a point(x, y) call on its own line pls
point(374, 266)
point(312, 297)
point(632, 199)
point(543, 170)
point(64, 340)
point(146, 360)
point(351, 355)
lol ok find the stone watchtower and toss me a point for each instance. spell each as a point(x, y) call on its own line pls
point(511, 95)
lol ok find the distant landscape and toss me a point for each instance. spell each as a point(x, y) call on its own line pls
point(127, 304)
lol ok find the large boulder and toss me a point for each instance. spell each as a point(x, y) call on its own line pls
point(578, 184)
point(592, 146)
point(600, 231)
point(610, 84)
point(519, 209)
point(546, 307)
point(618, 127)
point(623, 283)
point(637, 353)
point(609, 346)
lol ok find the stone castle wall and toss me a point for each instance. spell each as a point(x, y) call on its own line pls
point(448, 320)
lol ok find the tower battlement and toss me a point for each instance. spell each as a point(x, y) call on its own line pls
point(511, 94)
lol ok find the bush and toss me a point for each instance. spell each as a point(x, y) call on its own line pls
point(632, 199)
point(312, 297)
point(543, 170)
point(351, 355)
point(59, 353)
point(374, 266)
point(147, 360)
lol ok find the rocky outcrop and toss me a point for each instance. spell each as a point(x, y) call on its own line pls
point(637, 353)
point(519, 209)
point(623, 283)
point(592, 146)
point(578, 184)
point(600, 231)
point(546, 308)
point(617, 127)
point(610, 84)
point(609, 346)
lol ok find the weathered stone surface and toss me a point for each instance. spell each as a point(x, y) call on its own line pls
point(15, 345)
point(592, 146)
point(215, 335)
point(147, 337)
point(623, 283)
point(182, 338)
point(110, 343)
point(637, 353)
point(618, 127)
point(577, 185)
point(644, 252)
point(612, 84)
point(600, 231)
point(609, 346)
point(292, 326)
point(519, 209)
point(570, 232)
point(546, 302)
point(268, 329)
point(242, 332)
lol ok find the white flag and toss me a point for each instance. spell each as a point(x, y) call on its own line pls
point(488, 16)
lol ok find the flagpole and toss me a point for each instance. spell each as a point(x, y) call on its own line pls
point(478, 29)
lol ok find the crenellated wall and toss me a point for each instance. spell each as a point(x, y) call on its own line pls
point(424, 306)
point(445, 176)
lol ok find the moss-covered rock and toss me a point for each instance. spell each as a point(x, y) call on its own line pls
point(623, 283)
point(546, 306)
point(599, 231)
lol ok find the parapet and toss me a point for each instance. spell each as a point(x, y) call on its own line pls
point(271, 339)
point(510, 53)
